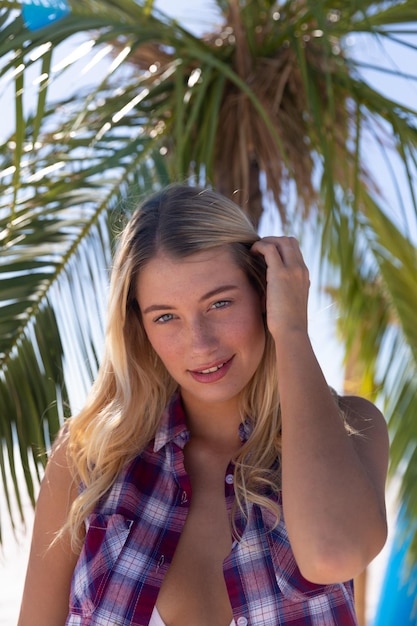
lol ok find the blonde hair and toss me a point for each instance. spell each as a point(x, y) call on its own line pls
point(126, 402)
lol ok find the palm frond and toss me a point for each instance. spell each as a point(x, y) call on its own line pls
point(274, 90)
point(31, 410)
point(377, 303)
point(55, 252)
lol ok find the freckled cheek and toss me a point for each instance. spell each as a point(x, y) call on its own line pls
point(257, 336)
point(167, 348)
point(248, 329)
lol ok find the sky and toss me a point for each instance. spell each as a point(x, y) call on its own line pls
point(199, 15)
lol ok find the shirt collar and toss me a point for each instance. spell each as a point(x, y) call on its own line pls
point(173, 424)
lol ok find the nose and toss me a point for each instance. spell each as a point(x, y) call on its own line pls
point(201, 335)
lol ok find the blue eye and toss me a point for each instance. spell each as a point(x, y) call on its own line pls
point(163, 319)
point(220, 304)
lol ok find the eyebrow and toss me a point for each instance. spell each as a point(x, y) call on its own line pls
point(206, 296)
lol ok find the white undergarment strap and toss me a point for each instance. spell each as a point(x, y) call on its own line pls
point(156, 619)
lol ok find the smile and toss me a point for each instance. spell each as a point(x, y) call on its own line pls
point(214, 373)
point(210, 370)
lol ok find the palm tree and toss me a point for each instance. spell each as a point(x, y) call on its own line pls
point(270, 105)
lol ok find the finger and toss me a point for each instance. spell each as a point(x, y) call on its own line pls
point(286, 248)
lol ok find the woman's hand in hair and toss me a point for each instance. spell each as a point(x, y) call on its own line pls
point(332, 481)
point(287, 284)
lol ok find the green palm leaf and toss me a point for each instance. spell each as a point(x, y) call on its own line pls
point(273, 91)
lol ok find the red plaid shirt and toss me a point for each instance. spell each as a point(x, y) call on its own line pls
point(132, 536)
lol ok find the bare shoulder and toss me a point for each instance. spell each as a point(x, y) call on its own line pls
point(59, 469)
point(370, 437)
point(364, 417)
point(59, 486)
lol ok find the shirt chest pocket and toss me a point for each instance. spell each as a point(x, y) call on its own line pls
point(291, 583)
point(105, 539)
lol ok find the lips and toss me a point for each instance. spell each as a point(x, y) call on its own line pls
point(213, 373)
point(210, 370)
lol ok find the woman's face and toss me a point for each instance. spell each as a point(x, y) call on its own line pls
point(204, 320)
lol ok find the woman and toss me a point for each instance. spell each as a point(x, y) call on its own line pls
point(212, 478)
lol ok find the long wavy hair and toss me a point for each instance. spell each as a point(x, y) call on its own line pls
point(126, 402)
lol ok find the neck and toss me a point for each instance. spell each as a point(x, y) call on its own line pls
point(216, 423)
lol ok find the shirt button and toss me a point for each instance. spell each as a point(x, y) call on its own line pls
point(229, 480)
point(242, 621)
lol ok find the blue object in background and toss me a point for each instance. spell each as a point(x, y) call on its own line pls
point(398, 599)
point(40, 13)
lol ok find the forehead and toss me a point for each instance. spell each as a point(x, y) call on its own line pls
point(198, 272)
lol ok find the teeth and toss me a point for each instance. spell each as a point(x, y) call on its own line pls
point(210, 370)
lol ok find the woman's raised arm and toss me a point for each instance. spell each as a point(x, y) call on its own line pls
point(332, 482)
